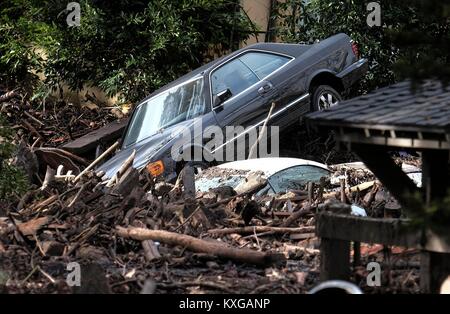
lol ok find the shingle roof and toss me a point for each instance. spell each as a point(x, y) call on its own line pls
point(396, 105)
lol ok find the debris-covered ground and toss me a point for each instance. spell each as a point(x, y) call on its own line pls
point(132, 234)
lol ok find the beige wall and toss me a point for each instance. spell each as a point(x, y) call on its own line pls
point(258, 11)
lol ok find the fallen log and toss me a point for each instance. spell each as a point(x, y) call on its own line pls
point(199, 246)
point(259, 229)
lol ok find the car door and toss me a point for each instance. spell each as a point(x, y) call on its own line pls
point(251, 94)
point(272, 67)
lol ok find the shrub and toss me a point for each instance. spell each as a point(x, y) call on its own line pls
point(132, 48)
point(12, 180)
point(412, 41)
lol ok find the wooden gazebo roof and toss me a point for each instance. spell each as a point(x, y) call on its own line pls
point(396, 116)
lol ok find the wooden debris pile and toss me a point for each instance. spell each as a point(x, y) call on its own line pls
point(51, 123)
point(133, 234)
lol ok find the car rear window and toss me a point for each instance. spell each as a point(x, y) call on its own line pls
point(263, 64)
point(296, 178)
point(244, 71)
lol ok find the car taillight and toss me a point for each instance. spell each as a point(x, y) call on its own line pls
point(355, 48)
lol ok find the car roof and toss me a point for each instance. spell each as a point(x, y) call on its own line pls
point(270, 165)
point(293, 50)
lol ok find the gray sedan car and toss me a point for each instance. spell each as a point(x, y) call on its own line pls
point(237, 90)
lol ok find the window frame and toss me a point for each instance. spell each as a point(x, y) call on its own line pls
point(251, 86)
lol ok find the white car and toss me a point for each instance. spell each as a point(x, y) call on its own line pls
point(282, 174)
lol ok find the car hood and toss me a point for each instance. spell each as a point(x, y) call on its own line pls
point(145, 149)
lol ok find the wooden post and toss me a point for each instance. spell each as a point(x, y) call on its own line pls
point(434, 269)
point(393, 178)
point(435, 178)
point(334, 259)
point(356, 254)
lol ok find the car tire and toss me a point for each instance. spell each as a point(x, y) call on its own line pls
point(325, 97)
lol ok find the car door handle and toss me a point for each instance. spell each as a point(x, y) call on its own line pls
point(267, 87)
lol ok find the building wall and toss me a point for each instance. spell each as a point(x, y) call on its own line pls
point(259, 12)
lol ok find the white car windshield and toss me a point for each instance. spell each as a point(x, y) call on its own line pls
point(180, 103)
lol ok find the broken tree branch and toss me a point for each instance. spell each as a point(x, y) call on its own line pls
point(198, 245)
point(96, 161)
point(126, 164)
point(8, 96)
point(296, 215)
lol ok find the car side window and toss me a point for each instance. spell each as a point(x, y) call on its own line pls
point(263, 64)
point(244, 71)
point(296, 178)
point(234, 75)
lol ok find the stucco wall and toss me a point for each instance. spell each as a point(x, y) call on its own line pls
point(258, 11)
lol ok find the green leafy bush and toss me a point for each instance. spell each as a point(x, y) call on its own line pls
point(134, 47)
point(411, 42)
point(12, 180)
point(19, 60)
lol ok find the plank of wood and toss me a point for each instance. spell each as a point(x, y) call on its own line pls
point(334, 259)
point(435, 268)
point(89, 142)
point(387, 231)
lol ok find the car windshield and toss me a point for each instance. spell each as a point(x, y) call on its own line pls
point(180, 103)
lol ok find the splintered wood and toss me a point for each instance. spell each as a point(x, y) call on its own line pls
point(146, 235)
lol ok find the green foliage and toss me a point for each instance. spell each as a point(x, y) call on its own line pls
point(434, 216)
point(412, 42)
point(19, 61)
point(125, 47)
point(425, 42)
point(12, 179)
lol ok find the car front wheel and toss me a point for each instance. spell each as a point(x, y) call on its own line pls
point(325, 97)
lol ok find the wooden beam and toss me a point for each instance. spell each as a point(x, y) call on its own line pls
point(334, 259)
point(89, 142)
point(391, 175)
point(387, 231)
point(398, 142)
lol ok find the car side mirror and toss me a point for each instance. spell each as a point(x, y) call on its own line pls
point(221, 97)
